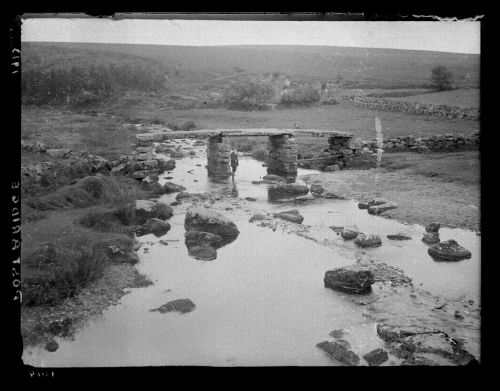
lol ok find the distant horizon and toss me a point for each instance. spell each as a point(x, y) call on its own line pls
point(252, 45)
point(444, 37)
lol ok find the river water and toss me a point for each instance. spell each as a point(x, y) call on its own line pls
point(262, 300)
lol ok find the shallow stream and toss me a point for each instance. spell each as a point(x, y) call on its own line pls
point(262, 301)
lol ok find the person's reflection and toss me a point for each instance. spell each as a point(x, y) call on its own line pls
point(234, 191)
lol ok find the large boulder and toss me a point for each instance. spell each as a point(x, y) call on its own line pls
point(149, 184)
point(153, 226)
point(171, 187)
point(368, 241)
point(208, 220)
point(146, 209)
point(378, 209)
point(290, 215)
point(339, 350)
point(353, 278)
point(448, 250)
point(179, 305)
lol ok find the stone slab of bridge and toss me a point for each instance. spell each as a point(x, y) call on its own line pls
point(282, 158)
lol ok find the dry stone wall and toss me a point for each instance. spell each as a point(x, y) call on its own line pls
point(439, 142)
point(412, 107)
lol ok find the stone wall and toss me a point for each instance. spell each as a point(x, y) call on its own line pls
point(439, 142)
point(282, 158)
point(411, 107)
point(218, 156)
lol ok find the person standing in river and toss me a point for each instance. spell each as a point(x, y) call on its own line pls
point(234, 162)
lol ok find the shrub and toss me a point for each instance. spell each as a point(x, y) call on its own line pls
point(441, 78)
point(248, 95)
point(302, 94)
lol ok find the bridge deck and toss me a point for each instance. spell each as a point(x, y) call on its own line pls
point(205, 133)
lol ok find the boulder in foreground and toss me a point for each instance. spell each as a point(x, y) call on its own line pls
point(208, 220)
point(376, 357)
point(448, 250)
point(353, 279)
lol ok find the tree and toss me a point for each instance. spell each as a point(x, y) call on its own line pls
point(441, 78)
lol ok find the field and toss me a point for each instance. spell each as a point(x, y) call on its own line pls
point(466, 98)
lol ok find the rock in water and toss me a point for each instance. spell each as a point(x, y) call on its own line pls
point(350, 232)
point(363, 205)
point(182, 195)
point(339, 351)
point(290, 215)
point(208, 220)
point(179, 305)
point(250, 199)
point(202, 252)
point(199, 237)
point(286, 191)
point(432, 227)
point(376, 357)
point(333, 167)
point(377, 201)
point(171, 187)
point(145, 209)
point(368, 241)
point(317, 189)
point(257, 217)
point(431, 238)
point(398, 237)
point(353, 278)
point(153, 226)
point(448, 251)
point(272, 177)
point(378, 209)
point(51, 346)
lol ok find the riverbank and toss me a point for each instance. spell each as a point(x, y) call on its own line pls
point(440, 187)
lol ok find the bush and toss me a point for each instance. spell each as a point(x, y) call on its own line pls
point(441, 78)
point(248, 95)
point(303, 94)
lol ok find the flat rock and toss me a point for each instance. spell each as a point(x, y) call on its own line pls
point(339, 351)
point(257, 217)
point(180, 305)
point(448, 250)
point(378, 209)
point(331, 168)
point(252, 199)
point(377, 201)
point(368, 241)
point(208, 220)
point(398, 236)
point(352, 278)
point(291, 215)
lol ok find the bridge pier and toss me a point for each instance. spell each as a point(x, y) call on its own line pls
point(218, 156)
point(282, 159)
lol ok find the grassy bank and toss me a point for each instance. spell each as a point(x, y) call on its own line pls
point(71, 237)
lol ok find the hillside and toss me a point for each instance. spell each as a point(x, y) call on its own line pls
point(361, 67)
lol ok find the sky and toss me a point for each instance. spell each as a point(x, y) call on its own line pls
point(443, 36)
